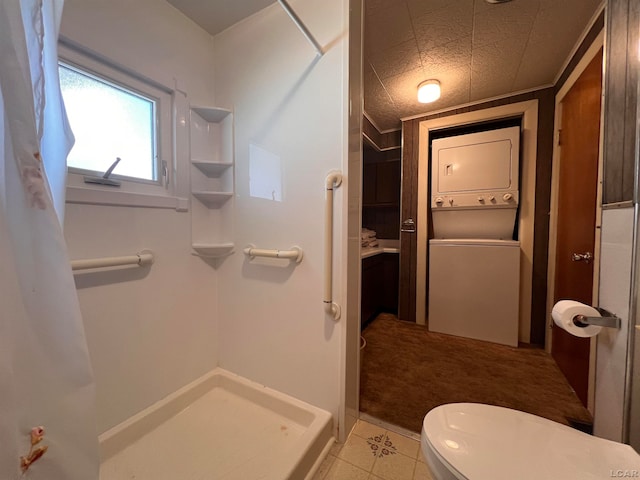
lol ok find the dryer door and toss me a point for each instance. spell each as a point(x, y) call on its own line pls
point(477, 162)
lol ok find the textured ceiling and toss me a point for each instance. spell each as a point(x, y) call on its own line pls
point(475, 49)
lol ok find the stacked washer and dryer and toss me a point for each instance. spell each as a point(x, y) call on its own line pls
point(474, 261)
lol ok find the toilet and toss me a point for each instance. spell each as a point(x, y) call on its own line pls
point(470, 441)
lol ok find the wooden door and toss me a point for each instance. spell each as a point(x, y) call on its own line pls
point(578, 177)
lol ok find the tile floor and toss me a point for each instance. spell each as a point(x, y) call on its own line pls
point(374, 453)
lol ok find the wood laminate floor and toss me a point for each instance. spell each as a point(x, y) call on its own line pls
point(407, 370)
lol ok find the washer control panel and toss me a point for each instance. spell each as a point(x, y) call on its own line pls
point(470, 200)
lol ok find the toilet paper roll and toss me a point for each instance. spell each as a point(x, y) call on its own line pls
point(563, 313)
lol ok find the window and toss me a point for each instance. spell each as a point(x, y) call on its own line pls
point(109, 122)
point(116, 113)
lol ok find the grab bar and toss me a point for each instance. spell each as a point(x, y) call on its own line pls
point(141, 259)
point(295, 253)
point(333, 180)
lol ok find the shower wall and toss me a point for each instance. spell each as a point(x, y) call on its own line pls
point(151, 331)
point(616, 258)
point(290, 112)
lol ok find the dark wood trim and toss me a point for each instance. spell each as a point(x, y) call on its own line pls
point(589, 38)
point(631, 103)
point(409, 208)
point(381, 141)
point(620, 107)
point(544, 160)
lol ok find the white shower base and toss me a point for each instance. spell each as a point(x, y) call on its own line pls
point(221, 426)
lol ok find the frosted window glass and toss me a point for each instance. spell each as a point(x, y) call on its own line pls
point(109, 122)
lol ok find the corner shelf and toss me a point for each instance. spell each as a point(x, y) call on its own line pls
point(213, 250)
point(212, 199)
point(212, 114)
point(211, 169)
point(212, 181)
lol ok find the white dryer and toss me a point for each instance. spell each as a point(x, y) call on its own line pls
point(474, 184)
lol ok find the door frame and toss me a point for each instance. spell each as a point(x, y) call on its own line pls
point(553, 210)
point(529, 111)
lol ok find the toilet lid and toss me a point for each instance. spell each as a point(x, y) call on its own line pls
point(484, 442)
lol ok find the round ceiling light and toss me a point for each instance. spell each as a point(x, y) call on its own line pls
point(429, 91)
point(497, 1)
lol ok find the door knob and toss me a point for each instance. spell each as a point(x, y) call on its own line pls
point(408, 226)
point(582, 257)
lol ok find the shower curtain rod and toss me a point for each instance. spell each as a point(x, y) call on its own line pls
point(141, 259)
point(303, 28)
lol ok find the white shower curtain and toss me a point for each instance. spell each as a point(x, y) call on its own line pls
point(47, 417)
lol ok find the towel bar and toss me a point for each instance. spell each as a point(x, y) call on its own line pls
point(141, 259)
point(294, 253)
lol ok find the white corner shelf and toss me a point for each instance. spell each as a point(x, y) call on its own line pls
point(212, 181)
point(211, 169)
point(212, 199)
point(213, 250)
point(212, 114)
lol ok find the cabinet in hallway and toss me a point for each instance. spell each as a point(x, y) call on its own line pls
point(379, 286)
point(381, 180)
point(381, 192)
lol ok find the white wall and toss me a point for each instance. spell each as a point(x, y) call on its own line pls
point(615, 290)
point(151, 331)
point(149, 37)
point(273, 327)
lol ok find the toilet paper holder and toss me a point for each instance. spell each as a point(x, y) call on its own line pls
point(608, 319)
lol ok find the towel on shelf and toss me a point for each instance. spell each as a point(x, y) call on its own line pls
point(366, 234)
point(368, 238)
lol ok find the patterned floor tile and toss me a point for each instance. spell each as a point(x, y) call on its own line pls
point(374, 453)
point(365, 429)
point(357, 451)
point(404, 445)
point(381, 445)
point(335, 448)
point(395, 467)
point(422, 472)
point(325, 466)
point(341, 470)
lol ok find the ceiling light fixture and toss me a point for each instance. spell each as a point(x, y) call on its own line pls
point(497, 1)
point(429, 91)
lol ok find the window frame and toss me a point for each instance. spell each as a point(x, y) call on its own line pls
point(133, 191)
point(154, 100)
